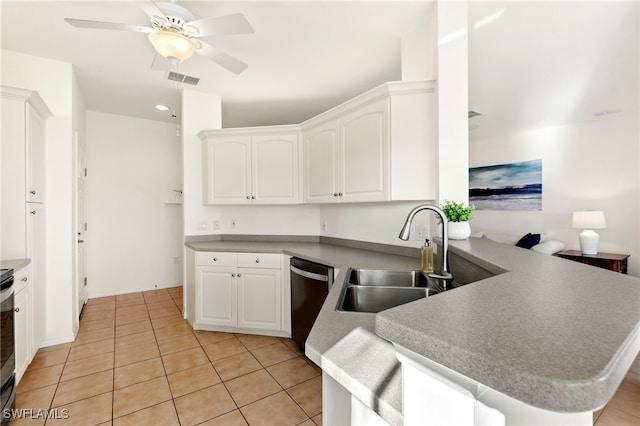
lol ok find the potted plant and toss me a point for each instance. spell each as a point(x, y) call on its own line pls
point(458, 216)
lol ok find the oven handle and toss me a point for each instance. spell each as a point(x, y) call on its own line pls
point(310, 275)
point(6, 294)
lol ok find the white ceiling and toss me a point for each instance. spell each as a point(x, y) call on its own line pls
point(535, 64)
point(541, 63)
point(304, 57)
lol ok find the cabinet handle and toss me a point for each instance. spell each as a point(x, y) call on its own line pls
point(239, 275)
point(253, 197)
point(233, 275)
point(339, 194)
point(335, 194)
point(17, 309)
point(24, 279)
point(215, 259)
point(33, 192)
point(257, 260)
point(32, 212)
point(248, 198)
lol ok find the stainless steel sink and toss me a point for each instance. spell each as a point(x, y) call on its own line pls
point(387, 277)
point(375, 290)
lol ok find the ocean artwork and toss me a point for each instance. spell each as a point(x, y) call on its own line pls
point(513, 186)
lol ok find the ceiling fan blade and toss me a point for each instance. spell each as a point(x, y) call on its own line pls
point(151, 9)
point(221, 25)
point(83, 23)
point(234, 65)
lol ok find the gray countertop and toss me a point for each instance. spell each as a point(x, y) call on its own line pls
point(553, 333)
point(15, 264)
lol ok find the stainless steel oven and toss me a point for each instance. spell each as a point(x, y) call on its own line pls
point(7, 340)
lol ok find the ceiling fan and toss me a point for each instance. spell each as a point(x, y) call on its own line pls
point(175, 33)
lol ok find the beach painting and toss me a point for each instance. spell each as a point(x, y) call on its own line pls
point(513, 186)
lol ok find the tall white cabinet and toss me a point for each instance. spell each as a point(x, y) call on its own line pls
point(22, 222)
point(251, 165)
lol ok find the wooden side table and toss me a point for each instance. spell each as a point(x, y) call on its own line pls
point(611, 261)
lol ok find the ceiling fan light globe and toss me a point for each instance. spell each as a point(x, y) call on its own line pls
point(172, 45)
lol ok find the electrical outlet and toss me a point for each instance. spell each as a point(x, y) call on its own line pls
point(421, 233)
point(234, 224)
point(324, 225)
point(216, 225)
point(202, 226)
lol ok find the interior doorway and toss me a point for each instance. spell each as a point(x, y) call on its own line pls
point(80, 225)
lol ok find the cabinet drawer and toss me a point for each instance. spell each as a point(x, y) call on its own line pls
point(22, 278)
point(259, 260)
point(216, 258)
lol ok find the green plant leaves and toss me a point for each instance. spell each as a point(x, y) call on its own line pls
point(457, 212)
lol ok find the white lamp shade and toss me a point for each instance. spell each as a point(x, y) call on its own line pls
point(172, 45)
point(589, 220)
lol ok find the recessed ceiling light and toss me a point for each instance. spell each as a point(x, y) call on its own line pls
point(161, 107)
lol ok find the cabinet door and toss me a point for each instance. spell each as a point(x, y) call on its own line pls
point(22, 331)
point(227, 170)
point(35, 159)
point(364, 153)
point(259, 298)
point(216, 296)
point(321, 171)
point(274, 168)
point(36, 251)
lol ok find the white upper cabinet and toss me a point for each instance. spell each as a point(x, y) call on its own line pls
point(379, 146)
point(35, 164)
point(321, 163)
point(251, 165)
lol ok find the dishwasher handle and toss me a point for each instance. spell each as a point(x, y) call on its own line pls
point(310, 275)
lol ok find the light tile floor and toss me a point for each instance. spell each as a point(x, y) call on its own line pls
point(136, 361)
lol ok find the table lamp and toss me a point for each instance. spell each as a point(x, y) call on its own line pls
point(588, 221)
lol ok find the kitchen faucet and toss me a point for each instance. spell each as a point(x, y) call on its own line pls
point(406, 229)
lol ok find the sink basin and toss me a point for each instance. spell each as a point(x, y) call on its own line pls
point(375, 290)
point(387, 277)
point(377, 298)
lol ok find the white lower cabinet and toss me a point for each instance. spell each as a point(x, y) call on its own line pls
point(216, 296)
point(23, 321)
point(238, 292)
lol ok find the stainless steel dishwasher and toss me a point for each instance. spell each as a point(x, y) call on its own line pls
point(310, 284)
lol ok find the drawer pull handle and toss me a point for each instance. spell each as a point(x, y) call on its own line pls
point(253, 197)
point(33, 192)
point(17, 309)
point(33, 212)
point(257, 260)
point(24, 279)
point(248, 198)
point(239, 275)
point(335, 194)
point(215, 259)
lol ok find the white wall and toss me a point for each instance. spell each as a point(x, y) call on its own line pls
point(591, 165)
point(374, 222)
point(53, 80)
point(202, 111)
point(134, 238)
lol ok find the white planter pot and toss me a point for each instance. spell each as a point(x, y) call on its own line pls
point(458, 230)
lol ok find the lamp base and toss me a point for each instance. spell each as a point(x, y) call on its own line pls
point(589, 242)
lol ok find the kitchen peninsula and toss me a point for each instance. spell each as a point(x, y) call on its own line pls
point(552, 337)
